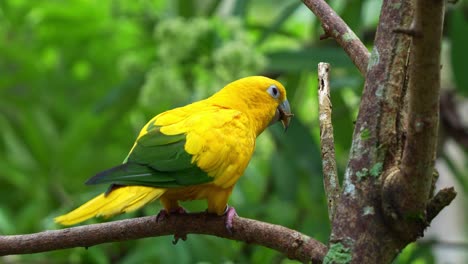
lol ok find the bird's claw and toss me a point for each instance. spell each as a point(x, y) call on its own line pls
point(177, 237)
point(230, 214)
point(164, 214)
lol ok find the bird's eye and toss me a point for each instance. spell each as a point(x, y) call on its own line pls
point(273, 91)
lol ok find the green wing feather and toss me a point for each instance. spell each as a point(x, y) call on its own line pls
point(157, 160)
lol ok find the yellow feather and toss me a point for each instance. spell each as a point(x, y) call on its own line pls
point(120, 200)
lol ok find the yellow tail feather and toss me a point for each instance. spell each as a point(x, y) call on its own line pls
point(120, 200)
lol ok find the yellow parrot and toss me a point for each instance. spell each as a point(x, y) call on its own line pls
point(198, 151)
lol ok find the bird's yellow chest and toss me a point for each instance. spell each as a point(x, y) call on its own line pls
point(223, 150)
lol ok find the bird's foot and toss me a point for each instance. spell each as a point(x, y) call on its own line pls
point(177, 237)
point(164, 214)
point(230, 214)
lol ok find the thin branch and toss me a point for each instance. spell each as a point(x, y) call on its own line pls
point(423, 102)
point(335, 27)
point(442, 199)
point(330, 173)
point(292, 243)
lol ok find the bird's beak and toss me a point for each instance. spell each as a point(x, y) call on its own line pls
point(283, 114)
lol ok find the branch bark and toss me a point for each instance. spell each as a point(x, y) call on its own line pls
point(335, 27)
point(424, 89)
point(327, 144)
point(360, 222)
point(293, 244)
point(414, 178)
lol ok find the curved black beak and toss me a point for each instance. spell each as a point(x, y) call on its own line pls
point(285, 114)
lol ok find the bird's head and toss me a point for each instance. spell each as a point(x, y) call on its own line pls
point(262, 98)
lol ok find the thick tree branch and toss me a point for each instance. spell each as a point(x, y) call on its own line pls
point(292, 243)
point(417, 165)
point(424, 87)
point(335, 27)
point(374, 137)
point(330, 173)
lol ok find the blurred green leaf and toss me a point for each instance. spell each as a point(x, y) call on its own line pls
point(459, 56)
point(415, 253)
point(352, 14)
point(460, 174)
point(240, 8)
point(6, 225)
point(306, 59)
point(212, 7)
point(286, 12)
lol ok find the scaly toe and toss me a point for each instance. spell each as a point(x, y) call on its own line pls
point(230, 214)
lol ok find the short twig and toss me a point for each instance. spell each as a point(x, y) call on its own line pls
point(330, 174)
point(442, 199)
point(408, 31)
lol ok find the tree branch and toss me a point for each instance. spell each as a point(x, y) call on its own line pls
point(442, 199)
point(292, 243)
point(414, 180)
point(360, 206)
point(424, 87)
point(335, 27)
point(330, 173)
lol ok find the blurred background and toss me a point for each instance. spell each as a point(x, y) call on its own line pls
point(79, 78)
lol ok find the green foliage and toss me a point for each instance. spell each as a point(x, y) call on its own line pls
point(459, 56)
point(416, 253)
point(78, 79)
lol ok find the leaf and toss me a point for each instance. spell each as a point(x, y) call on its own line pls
point(240, 8)
point(352, 14)
point(459, 174)
point(458, 25)
point(299, 60)
point(279, 21)
point(186, 8)
point(212, 7)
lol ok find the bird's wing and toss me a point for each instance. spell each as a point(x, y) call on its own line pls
point(182, 147)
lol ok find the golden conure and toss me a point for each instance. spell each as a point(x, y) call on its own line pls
point(198, 151)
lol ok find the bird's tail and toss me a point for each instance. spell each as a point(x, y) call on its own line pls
point(119, 200)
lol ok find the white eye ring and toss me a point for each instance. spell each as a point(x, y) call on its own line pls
point(273, 91)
